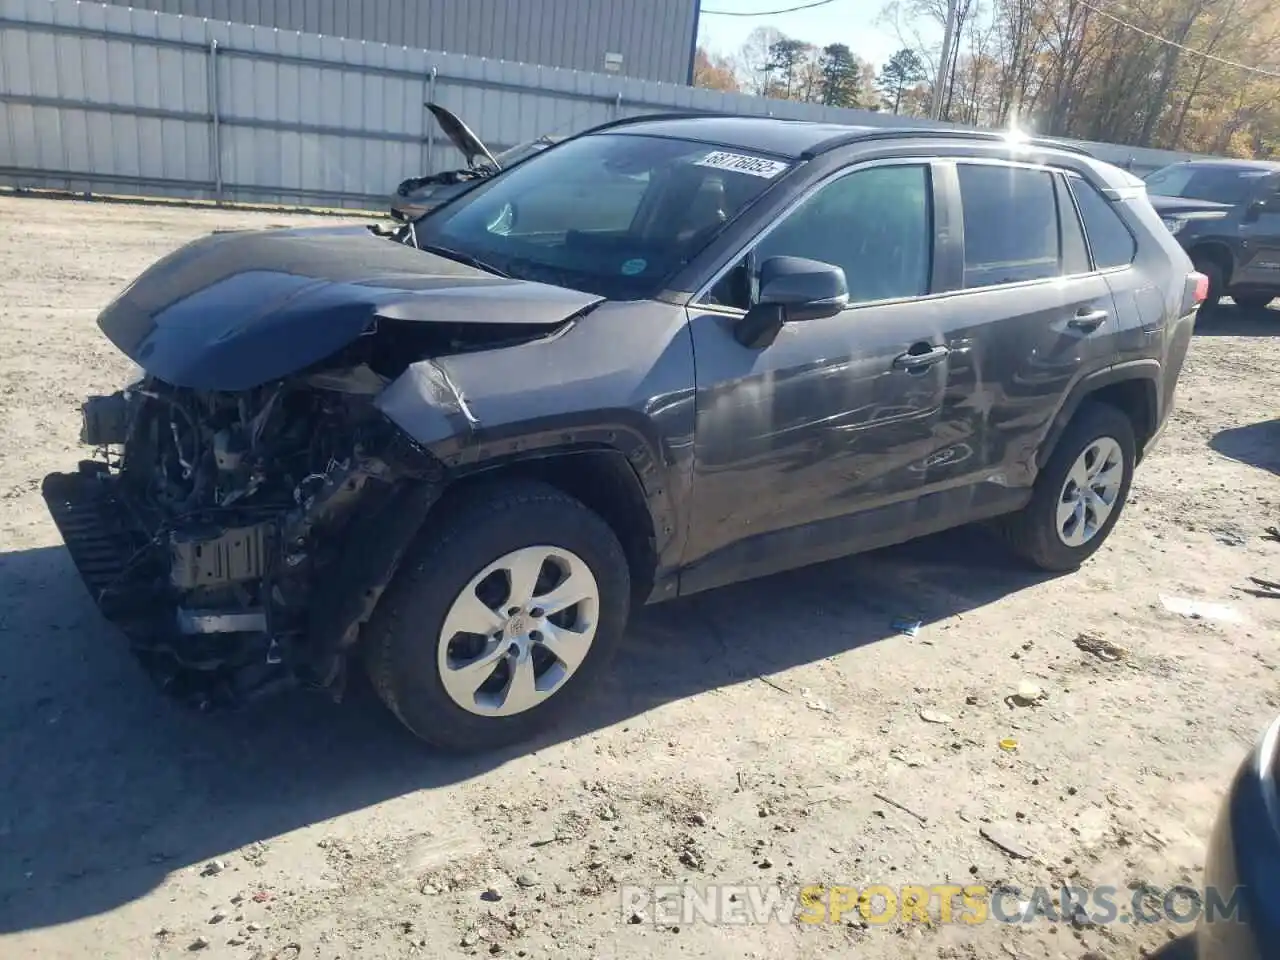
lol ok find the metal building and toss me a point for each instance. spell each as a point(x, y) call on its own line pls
point(646, 39)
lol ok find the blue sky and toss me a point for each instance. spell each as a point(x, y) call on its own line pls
point(843, 21)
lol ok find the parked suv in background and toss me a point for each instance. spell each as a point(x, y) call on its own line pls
point(1226, 215)
point(763, 344)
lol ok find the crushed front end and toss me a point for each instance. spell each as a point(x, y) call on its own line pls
point(239, 539)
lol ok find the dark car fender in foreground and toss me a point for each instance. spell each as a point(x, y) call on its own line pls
point(1243, 862)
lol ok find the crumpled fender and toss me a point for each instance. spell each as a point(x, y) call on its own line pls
point(621, 377)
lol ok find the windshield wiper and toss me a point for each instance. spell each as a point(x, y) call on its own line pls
point(464, 258)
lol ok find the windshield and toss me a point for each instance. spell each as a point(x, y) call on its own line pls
point(610, 214)
point(1216, 184)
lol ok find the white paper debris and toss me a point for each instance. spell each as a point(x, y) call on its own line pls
point(1201, 609)
point(933, 716)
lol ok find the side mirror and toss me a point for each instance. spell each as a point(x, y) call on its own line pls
point(1255, 209)
point(792, 289)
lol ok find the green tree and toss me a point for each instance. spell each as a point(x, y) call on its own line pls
point(904, 70)
point(841, 76)
point(786, 56)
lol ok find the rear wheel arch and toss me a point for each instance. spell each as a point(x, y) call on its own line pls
point(1217, 254)
point(1132, 388)
point(1138, 399)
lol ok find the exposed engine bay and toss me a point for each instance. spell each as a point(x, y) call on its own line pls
point(240, 539)
point(222, 513)
point(253, 492)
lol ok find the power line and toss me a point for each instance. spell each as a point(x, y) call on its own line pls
point(1173, 43)
point(766, 13)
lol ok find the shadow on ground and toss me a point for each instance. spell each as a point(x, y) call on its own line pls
point(105, 787)
point(1232, 321)
point(1258, 444)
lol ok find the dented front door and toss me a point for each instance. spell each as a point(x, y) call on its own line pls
point(807, 447)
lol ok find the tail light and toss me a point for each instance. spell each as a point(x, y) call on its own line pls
point(1202, 287)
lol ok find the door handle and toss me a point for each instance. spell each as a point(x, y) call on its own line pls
point(1088, 320)
point(920, 361)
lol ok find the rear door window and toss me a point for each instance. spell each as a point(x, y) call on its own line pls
point(1110, 241)
point(1011, 230)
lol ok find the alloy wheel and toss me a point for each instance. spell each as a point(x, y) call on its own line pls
point(1090, 491)
point(518, 631)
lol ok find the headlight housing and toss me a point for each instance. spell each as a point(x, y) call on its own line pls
point(1175, 224)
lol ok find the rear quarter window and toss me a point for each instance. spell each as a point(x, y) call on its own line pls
point(1110, 241)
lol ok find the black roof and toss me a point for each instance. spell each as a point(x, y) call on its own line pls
point(782, 138)
point(1237, 164)
point(792, 139)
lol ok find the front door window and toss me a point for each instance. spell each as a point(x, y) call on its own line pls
point(873, 223)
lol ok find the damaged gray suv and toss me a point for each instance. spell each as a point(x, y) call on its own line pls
point(658, 357)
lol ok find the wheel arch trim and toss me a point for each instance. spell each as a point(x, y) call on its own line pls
point(1146, 372)
point(1217, 250)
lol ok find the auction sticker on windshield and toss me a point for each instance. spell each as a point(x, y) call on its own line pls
point(741, 163)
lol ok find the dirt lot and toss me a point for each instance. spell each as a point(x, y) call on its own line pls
point(769, 733)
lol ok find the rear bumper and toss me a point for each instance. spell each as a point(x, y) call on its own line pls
point(1242, 866)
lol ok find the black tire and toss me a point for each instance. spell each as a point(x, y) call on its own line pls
point(1252, 301)
point(1217, 280)
point(403, 635)
point(1033, 532)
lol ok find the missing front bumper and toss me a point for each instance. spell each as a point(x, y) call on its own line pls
point(205, 657)
point(106, 546)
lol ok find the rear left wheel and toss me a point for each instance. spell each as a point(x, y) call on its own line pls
point(501, 619)
point(1079, 494)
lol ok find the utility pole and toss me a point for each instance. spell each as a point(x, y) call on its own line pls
point(944, 62)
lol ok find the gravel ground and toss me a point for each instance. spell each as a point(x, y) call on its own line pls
point(780, 732)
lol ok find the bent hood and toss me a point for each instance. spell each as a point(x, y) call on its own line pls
point(236, 310)
point(1184, 206)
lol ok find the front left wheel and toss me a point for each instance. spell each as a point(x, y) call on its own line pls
point(501, 618)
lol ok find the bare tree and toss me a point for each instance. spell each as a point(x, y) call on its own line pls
point(755, 63)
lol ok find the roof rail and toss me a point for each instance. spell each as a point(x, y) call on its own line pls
point(925, 133)
point(856, 134)
point(670, 115)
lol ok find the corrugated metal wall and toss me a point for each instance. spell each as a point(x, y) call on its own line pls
point(654, 37)
point(106, 99)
